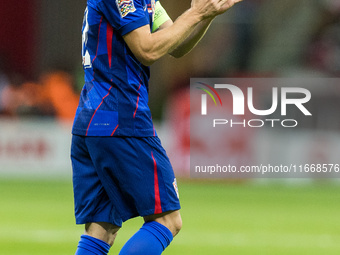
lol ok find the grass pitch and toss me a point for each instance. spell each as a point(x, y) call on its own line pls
point(36, 217)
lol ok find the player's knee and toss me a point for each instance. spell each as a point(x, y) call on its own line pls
point(174, 221)
point(112, 238)
point(177, 225)
point(103, 231)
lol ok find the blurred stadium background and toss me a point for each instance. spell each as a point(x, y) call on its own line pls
point(41, 77)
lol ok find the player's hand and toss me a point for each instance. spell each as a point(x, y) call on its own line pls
point(227, 5)
point(211, 8)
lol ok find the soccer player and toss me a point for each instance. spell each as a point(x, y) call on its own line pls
point(120, 169)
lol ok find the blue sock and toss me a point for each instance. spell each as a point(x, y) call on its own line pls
point(89, 245)
point(151, 239)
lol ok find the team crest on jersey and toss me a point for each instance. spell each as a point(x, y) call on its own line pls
point(125, 7)
point(175, 187)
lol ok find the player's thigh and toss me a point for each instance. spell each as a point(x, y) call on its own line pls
point(171, 219)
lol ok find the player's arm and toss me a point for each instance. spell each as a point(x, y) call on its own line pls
point(192, 40)
point(149, 47)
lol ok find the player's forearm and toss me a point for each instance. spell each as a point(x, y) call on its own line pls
point(181, 36)
point(192, 40)
point(152, 47)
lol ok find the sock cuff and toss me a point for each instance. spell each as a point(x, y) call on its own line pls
point(93, 244)
point(161, 232)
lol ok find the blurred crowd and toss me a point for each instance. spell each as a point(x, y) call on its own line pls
point(52, 95)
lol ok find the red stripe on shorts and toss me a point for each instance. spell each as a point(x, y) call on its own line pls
point(158, 206)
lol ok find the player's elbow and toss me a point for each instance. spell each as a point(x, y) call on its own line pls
point(149, 53)
point(147, 58)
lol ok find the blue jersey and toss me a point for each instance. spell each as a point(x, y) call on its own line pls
point(114, 99)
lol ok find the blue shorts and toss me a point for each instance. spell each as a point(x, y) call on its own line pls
point(118, 178)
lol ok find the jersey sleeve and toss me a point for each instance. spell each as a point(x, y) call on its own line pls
point(161, 16)
point(124, 15)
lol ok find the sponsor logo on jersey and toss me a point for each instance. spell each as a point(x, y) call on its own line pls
point(125, 7)
point(175, 187)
